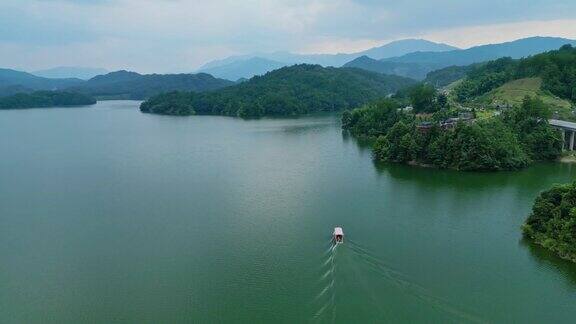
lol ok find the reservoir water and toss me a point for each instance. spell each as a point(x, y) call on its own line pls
point(108, 215)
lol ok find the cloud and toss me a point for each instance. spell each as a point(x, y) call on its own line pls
point(179, 35)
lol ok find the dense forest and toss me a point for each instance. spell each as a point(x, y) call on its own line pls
point(293, 90)
point(41, 99)
point(552, 222)
point(557, 69)
point(508, 142)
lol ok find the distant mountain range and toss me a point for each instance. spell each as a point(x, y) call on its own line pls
point(412, 58)
point(12, 81)
point(83, 73)
point(246, 66)
point(416, 65)
point(415, 71)
point(428, 57)
point(115, 85)
point(243, 69)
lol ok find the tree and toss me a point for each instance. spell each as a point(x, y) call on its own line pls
point(442, 100)
point(398, 145)
point(530, 122)
point(372, 120)
point(423, 98)
point(552, 222)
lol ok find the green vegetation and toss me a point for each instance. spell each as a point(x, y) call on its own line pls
point(508, 142)
point(172, 103)
point(425, 99)
point(298, 89)
point(487, 145)
point(443, 77)
point(373, 119)
point(555, 68)
point(42, 99)
point(513, 93)
point(552, 222)
point(131, 85)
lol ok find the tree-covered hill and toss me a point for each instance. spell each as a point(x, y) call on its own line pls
point(552, 222)
point(42, 99)
point(445, 76)
point(556, 69)
point(297, 89)
point(132, 85)
point(13, 89)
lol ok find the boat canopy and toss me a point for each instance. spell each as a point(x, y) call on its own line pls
point(338, 231)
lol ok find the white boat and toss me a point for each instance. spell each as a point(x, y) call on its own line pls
point(338, 235)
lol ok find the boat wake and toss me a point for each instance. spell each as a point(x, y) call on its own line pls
point(325, 299)
point(402, 282)
point(348, 263)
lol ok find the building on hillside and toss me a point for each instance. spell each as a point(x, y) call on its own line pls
point(424, 127)
point(501, 105)
point(466, 115)
point(449, 123)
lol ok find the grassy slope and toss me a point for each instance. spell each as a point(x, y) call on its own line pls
point(514, 91)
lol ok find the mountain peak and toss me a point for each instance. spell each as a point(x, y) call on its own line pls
point(405, 46)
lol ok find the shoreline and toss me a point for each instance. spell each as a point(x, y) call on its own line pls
point(571, 158)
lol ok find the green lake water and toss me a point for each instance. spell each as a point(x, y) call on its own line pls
point(108, 215)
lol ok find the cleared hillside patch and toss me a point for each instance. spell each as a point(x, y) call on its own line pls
point(512, 93)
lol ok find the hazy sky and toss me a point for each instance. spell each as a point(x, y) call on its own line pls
point(180, 35)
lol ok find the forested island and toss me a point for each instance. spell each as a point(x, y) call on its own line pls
point(506, 142)
point(552, 222)
point(44, 99)
point(298, 89)
point(437, 130)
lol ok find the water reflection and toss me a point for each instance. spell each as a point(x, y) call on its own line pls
point(521, 187)
point(363, 144)
point(548, 260)
point(534, 178)
point(295, 126)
